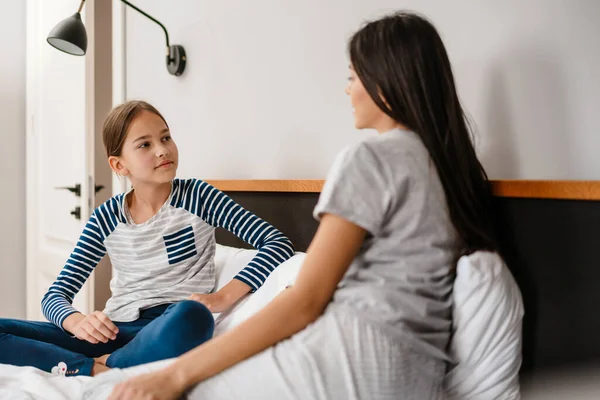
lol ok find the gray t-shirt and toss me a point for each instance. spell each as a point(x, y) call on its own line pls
point(402, 277)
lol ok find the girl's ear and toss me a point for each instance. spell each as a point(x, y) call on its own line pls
point(117, 166)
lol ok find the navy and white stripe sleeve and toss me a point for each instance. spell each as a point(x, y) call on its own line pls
point(219, 210)
point(89, 250)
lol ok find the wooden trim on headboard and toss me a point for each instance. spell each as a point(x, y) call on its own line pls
point(269, 185)
point(565, 190)
point(562, 190)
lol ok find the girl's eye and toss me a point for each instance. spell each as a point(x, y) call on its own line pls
point(167, 138)
point(143, 145)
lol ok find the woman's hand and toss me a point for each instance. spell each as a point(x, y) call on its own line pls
point(158, 385)
point(93, 328)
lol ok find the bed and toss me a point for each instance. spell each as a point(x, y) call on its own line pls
point(548, 232)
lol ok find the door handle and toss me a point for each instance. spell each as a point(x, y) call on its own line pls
point(76, 212)
point(75, 189)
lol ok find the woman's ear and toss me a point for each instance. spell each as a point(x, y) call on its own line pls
point(382, 97)
point(117, 166)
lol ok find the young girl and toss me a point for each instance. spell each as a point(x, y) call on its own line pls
point(160, 240)
point(369, 316)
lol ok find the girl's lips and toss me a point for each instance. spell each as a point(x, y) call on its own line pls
point(165, 164)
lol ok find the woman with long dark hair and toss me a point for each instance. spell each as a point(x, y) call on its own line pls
point(369, 316)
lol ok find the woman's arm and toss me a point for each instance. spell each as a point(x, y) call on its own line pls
point(333, 248)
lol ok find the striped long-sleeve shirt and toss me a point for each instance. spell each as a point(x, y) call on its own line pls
point(166, 258)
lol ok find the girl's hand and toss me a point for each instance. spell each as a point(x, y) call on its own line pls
point(215, 302)
point(223, 298)
point(158, 385)
point(93, 328)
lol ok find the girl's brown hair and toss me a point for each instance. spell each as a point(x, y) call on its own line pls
point(117, 124)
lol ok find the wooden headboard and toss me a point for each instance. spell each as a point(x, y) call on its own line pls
point(550, 237)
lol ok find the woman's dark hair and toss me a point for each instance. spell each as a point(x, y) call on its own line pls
point(402, 63)
point(116, 124)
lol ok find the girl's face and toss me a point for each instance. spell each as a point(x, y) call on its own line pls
point(367, 115)
point(149, 154)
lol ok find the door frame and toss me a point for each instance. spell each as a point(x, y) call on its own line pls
point(119, 65)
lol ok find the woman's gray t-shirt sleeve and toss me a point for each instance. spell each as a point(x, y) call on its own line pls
point(356, 189)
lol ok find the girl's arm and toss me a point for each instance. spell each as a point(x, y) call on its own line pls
point(89, 250)
point(273, 247)
point(333, 248)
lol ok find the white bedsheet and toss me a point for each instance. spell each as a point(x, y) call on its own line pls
point(18, 383)
point(27, 383)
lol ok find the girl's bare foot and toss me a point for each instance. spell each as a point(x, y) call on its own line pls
point(99, 368)
point(102, 359)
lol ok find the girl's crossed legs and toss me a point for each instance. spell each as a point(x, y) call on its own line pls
point(161, 332)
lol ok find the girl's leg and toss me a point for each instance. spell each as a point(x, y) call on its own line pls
point(40, 352)
point(45, 346)
point(180, 328)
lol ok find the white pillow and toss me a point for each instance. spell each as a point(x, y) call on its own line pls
point(228, 262)
point(487, 330)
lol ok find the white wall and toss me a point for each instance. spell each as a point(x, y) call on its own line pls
point(263, 93)
point(12, 160)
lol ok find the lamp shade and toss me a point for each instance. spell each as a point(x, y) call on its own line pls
point(69, 35)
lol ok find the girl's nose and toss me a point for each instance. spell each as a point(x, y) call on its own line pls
point(162, 151)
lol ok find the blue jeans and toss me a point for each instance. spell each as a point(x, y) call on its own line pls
point(159, 333)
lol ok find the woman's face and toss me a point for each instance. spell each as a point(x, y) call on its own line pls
point(367, 115)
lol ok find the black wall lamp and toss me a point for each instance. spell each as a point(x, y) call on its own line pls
point(69, 35)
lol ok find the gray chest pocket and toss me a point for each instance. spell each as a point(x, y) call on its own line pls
point(181, 245)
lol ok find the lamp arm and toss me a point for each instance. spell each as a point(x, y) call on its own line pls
point(176, 59)
point(149, 17)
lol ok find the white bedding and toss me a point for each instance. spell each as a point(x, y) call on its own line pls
point(18, 383)
point(30, 383)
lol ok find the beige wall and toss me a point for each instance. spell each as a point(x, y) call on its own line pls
point(12, 160)
point(263, 96)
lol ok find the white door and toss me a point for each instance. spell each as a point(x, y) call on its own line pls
point(59, 155)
